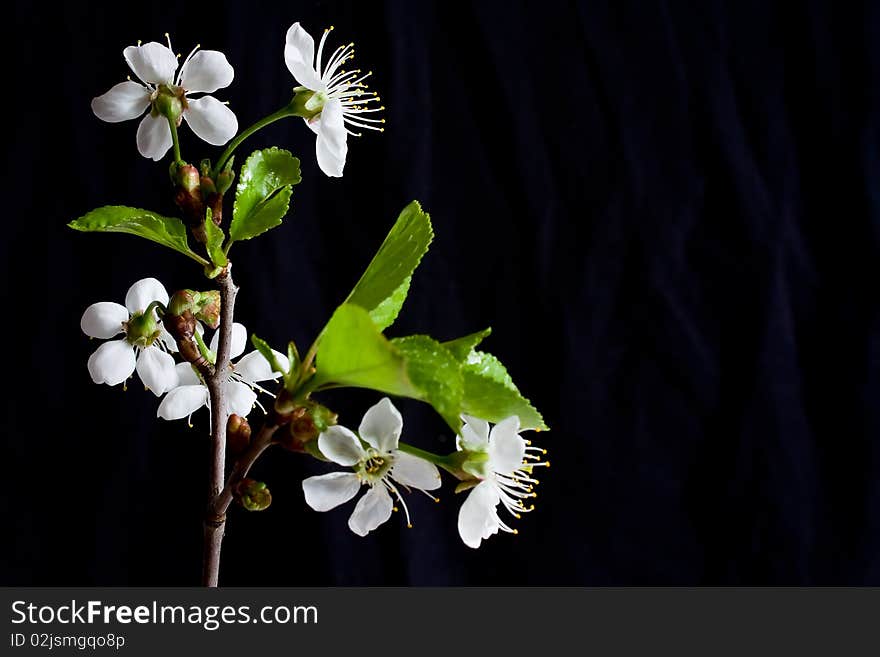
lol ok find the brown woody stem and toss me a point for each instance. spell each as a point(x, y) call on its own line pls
point(216, 522)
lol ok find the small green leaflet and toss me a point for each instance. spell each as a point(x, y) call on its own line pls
point(462, 347)
point(490, 394)
point(214, 245)
point(263, 193)
point(353, 352)
point(167, 231)
point(436, 374)
point(383, 287)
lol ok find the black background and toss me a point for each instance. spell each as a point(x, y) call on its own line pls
point(668, 213)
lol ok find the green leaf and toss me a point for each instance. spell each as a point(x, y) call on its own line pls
point(167, 231)
point(490, 394)
point(266, 351)
point(214, 244)
point(462, 347)
point(436, 374)
point(263, 193)
point(383, 287)
point(354, 353)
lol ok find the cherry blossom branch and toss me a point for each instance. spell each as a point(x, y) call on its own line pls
point(215, 523)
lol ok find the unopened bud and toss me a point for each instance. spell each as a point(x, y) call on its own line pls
point(307, 422)
point(238, 434)
point(253, 495)
point(209, 308)
point(224, 181)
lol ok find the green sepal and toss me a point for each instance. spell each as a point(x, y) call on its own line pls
point(167, 231)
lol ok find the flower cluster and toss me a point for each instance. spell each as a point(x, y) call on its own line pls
point(500, 460)
point(147, 348)
point(337, 102)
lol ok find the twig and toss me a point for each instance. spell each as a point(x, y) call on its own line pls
point(214, 522)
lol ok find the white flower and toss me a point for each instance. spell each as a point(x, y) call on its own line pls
point(380, 466)
point(506, 477)
point(146, 343)
point(203, 71)
point(339, 94)
point(238, 384)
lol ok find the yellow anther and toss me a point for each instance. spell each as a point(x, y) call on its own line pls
point(543, 451)
point(408, 526)
point(517, 516)
point(139, 42)
point(394, 508)
point(178, 55)
point(383, 120)
point(528, 442)
point(516, 531)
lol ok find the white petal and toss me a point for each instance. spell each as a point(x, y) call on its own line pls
point(156, 370)
point(168, 340)
point(206, 72)
point(103, 319)
point(299, 55)
point(186, 375)
point(112, 363)
point(474, 433)
point(382, 425)
point(506, 447)
point(143, 293)
point(340, 445)
point(240, 397)
point(182, 402)
point(154, 137)
point(332, 142)
point(477, 518)
point(237, 342)
point(126, 100)
point(414, 472)
point(330, 490)
point(254, 367)
point(211, 120)
point(152, 62)
point(372, 510)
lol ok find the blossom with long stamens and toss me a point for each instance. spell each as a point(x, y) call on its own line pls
point(339, 96)
point(505, 470)
point(379, 465)
point(239, 381)
point(203, 71)
point(146, 345)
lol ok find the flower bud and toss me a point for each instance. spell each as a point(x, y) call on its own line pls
point(306, 424)
point(238, 434)
point(209, 308)
point(224, 181)
point(253, 495)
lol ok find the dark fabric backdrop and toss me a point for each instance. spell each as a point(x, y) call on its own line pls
point(668, 212)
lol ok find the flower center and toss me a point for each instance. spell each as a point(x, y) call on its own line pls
point(374, 466)
point(141, 330)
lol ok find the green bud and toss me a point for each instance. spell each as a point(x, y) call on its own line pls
point(253, 495)
point(205, 167)
point(183, 300)
point(224, 181)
